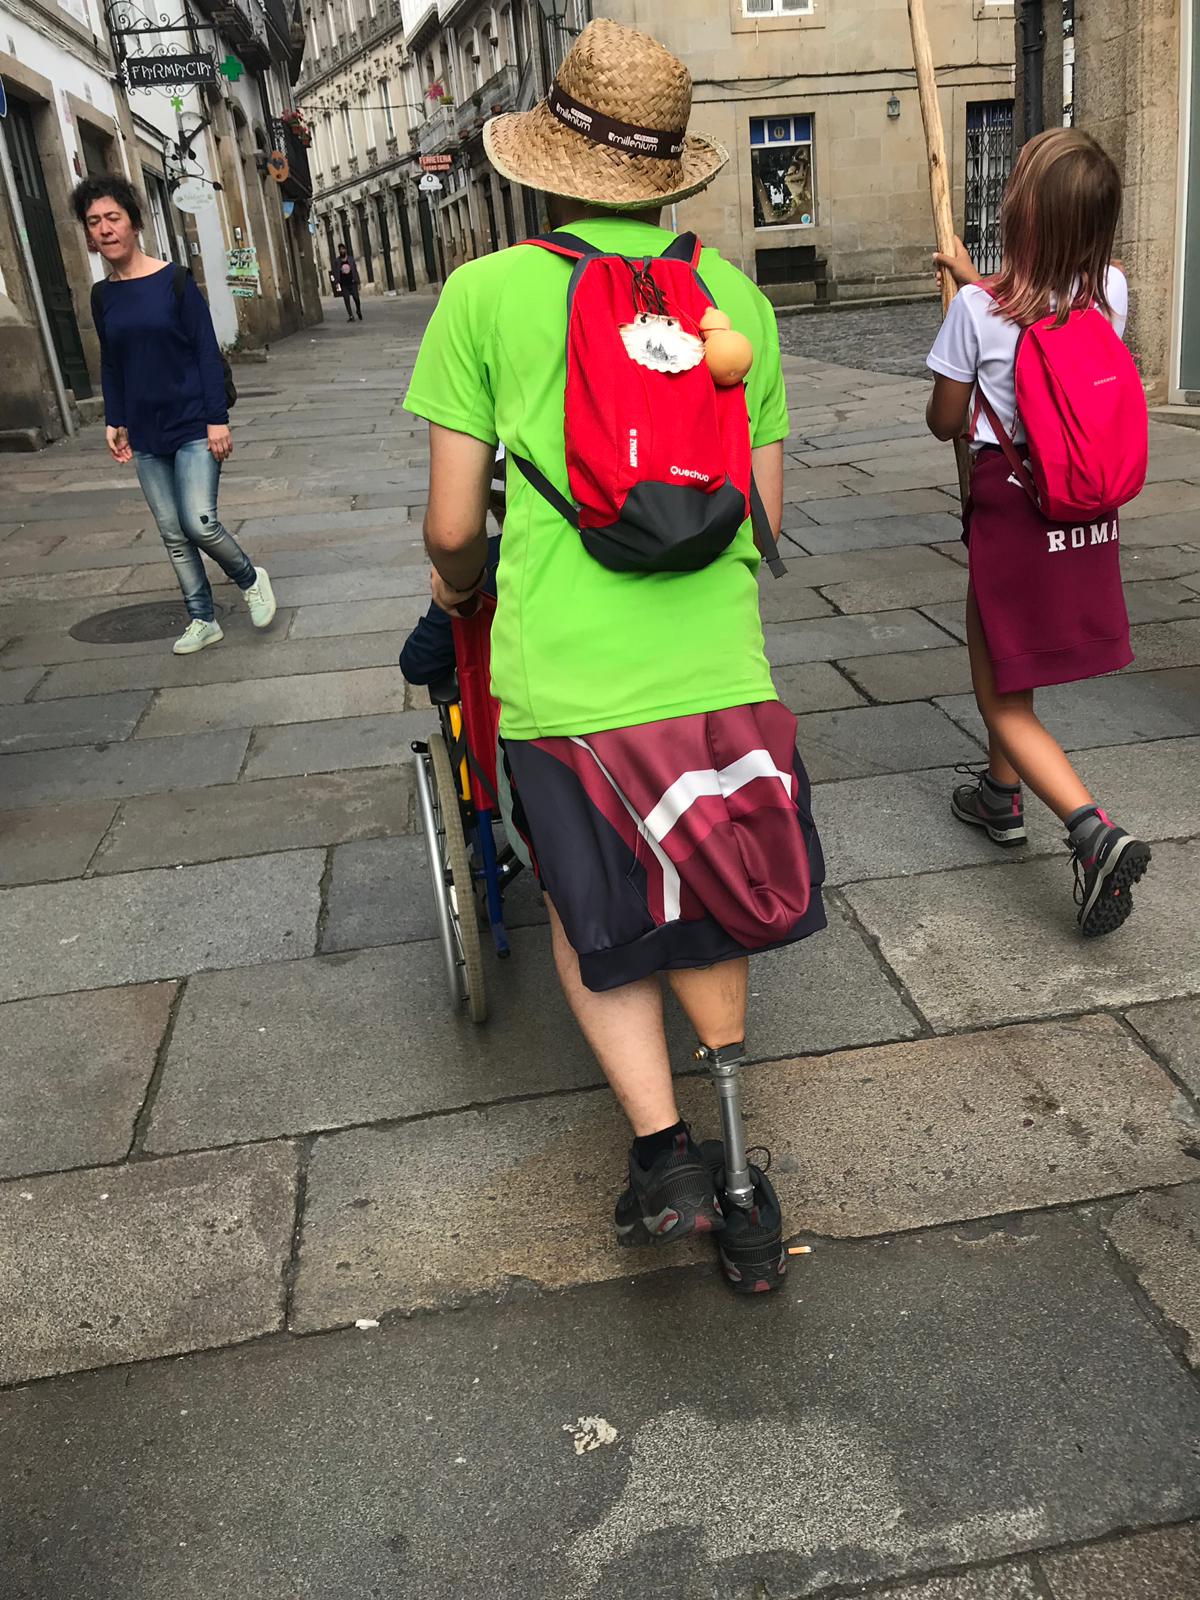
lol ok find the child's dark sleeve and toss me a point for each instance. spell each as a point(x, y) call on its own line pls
point(428, 652)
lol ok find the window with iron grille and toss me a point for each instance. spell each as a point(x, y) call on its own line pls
point(989, 161)
point(781, 171)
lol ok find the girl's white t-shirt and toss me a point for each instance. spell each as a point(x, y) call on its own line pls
point(978, 345)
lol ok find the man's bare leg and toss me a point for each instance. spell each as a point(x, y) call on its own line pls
point(625, 1030)
point(714, 999)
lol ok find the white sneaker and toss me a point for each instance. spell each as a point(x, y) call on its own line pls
point(197, 636)
point(260, 597)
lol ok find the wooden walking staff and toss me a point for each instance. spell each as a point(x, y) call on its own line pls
point(939, 185)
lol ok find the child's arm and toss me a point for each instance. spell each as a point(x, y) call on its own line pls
point(946, 413)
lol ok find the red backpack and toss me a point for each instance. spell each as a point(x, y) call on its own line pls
point(1084, 410)
point(658, 463)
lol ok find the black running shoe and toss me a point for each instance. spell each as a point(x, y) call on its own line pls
point(750, 1248)
point(669, 1200)
point(1105, 876)
point(971, 804)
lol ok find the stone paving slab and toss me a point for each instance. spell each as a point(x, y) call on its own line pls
point(411, 1461)
point(340, 743)
point(913, 675)
point(51, 841)
point(781, 600)
point(1158, 1236)
point(1172, 1030)
point(1123, 709)
point(305, 698)
point(75, 1070)
point(1154, 787)
point(863, 533)
point(152, 766)
point(140, 926)
point(814, 686)
point(56, 647)
point(378, 893)
point(359, 616)
point(863, 1143)
point(831, 638)
point(1012, 1581)
point(149, 1259)
point(194, 825)
point(222, 664)
point(922, 585)
point(16, 682)
point(987, 944)
point(95, 719)
point(880, 739)
point(402, 1051)
point(1162, 1565)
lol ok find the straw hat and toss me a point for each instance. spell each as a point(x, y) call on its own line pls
point(612, 130)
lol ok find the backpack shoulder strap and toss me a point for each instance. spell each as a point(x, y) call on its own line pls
point(686, 247)
point(563, 244)
point(768, 547)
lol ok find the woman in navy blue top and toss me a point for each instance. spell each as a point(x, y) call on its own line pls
point(164, 403)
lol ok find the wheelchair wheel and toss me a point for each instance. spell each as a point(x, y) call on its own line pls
point(453, 887)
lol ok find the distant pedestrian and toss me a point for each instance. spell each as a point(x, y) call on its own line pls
point(165, 403)
point(1045, 603)
point(345, 275)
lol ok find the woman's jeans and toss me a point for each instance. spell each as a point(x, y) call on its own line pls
point(181, 491)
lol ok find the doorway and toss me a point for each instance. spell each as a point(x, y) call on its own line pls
point(43, 243)
point(385, 243)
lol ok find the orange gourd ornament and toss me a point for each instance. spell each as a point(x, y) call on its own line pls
point(728, 355)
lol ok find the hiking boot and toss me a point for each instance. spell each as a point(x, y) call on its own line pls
point(196, 636)
point(260, 597)
point(669, 1200)
point(978, 804)
point(1106, 866)
point(750, 1248)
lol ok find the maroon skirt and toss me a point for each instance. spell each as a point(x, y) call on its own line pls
point(1050, 597)
point(677, 843)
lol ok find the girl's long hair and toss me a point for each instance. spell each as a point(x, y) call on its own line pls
point(1058, 224)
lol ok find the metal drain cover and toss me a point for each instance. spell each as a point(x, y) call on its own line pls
point(161, 619)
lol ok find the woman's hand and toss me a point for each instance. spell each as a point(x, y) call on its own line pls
point(220, 441)
point(958, 264)
point(118, 444)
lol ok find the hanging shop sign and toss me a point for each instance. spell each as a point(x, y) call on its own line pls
point(161, 71)
point(194, 195)
point(439, 163)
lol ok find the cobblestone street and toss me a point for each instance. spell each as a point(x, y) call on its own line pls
point(308, 1287)
point(891, 339)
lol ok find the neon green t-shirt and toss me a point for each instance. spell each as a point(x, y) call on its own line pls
point(576, 648)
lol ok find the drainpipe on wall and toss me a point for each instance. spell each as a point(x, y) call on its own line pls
point(1033, 49)
point(35, 289)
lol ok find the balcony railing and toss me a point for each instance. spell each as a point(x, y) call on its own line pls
point(498, 94)
point(440, 132)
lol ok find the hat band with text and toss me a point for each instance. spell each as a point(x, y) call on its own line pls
point(624, 136)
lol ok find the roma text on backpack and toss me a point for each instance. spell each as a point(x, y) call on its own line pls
point(179, 278)
point(1084, 412)
point(658, 462)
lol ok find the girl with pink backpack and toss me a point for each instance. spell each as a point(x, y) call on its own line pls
point(1031, 367)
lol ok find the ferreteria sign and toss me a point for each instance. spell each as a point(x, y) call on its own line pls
point(154, 72)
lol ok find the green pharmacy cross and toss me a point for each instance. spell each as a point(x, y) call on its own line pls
point(231, 68)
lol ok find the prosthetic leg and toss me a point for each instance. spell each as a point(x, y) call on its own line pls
point(751, 1247)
